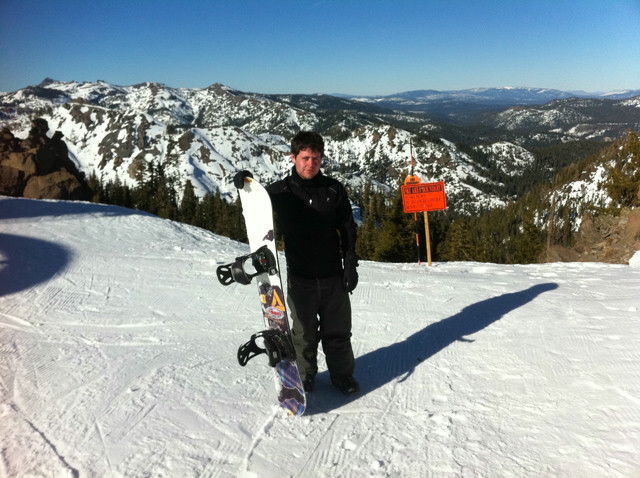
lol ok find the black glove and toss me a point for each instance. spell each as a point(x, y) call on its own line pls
point(350, 275)
point(238, 179)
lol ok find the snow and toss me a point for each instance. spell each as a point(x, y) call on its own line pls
point(118, 359)
point(632, 102)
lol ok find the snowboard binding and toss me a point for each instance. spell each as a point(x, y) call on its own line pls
point(277, 346)
point(262, 261)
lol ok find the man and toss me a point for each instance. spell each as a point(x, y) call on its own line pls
point(314, 216)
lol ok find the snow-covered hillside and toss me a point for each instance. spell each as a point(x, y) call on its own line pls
point(206, 135)
point(118, 359)
point(587, 118)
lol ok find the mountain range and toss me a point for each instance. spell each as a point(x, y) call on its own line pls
point(464, 105)
point(474, 140)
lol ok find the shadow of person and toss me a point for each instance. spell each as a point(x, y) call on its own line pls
point(399, 360)
point(18, 208)
point(26, 262)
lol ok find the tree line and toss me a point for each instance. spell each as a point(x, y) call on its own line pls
point(386, 234)
point(157, 193)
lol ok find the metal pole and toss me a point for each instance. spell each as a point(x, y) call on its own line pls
point(415, 214)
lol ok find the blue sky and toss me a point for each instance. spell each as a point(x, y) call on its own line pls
point(331, 46)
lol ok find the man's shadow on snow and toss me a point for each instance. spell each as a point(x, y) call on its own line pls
point(399, 360)
point(26, 262)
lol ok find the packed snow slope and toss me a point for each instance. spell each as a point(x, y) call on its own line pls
point(118, 358)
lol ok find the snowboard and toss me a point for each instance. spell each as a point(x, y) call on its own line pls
point(262, 265)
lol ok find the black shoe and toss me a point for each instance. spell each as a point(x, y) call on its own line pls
point(308, 382)
point(346, 384)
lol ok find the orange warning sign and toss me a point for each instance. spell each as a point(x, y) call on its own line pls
point(421, 197)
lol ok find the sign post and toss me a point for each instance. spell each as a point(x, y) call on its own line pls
point(422, 197)
point(426, 232)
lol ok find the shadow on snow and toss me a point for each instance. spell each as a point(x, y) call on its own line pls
point(398, 360)
point(28, 262)
point(17, 208)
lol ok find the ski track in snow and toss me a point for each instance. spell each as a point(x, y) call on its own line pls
point(118, 358)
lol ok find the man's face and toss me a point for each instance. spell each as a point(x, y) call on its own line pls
point(307, 163)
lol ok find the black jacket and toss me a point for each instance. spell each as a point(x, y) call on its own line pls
point(316, 220)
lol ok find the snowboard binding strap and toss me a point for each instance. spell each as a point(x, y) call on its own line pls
point(277, 346)
point(262, 261)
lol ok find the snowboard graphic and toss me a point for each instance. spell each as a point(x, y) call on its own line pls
point(262, 265)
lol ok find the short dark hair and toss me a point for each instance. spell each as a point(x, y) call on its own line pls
point(307, 139)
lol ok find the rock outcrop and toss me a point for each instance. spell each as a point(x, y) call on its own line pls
point(603, 238)
point(612, 239)
point(39, 167)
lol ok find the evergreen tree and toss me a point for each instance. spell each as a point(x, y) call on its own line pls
point(166, 195)
point(458, 244)
point(567, 232)
point(367, 231)
point(484, 243)
point(238, 229)
point(396, 240)
point(530, 243)
point(205, 212)
point(144, 194)
point(96, 186)
point(189, 205)
point(120, 194)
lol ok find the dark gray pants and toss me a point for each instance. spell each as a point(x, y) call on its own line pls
point(320, 310)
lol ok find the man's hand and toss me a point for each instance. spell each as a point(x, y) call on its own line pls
point(238, 179)
point(350, 275)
